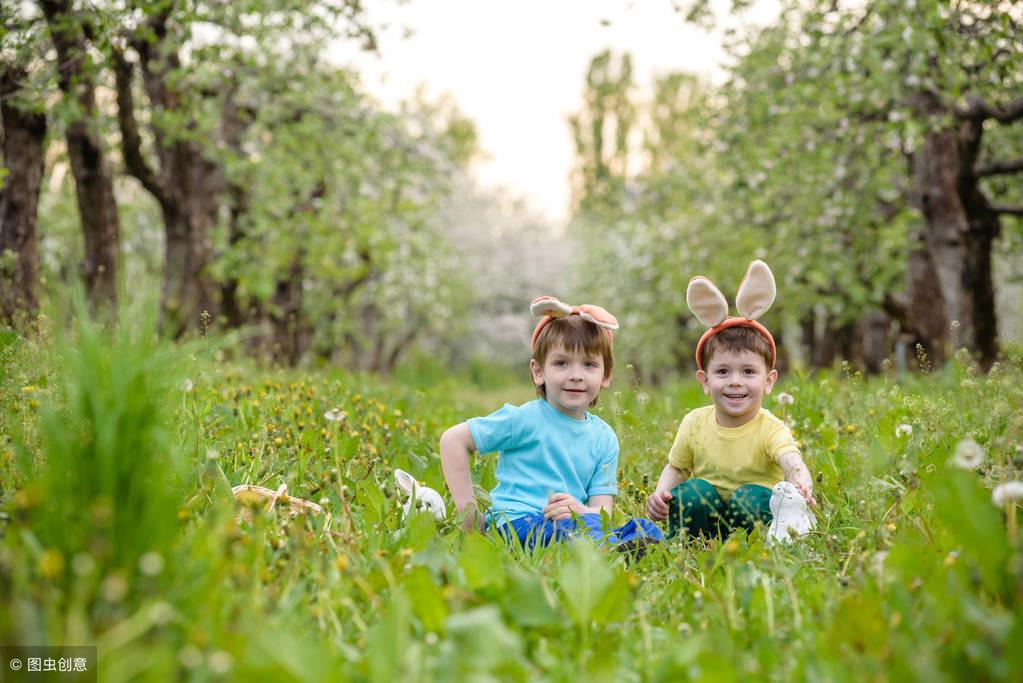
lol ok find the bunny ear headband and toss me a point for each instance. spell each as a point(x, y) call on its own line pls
point(550, 308)
point(755, 296)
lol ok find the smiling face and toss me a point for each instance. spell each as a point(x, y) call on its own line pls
point(571, 379)
point(736, 381)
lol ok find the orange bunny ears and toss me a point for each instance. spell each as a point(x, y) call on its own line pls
point(550, 308)
point(755, 296)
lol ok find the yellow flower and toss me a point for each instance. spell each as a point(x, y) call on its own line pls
point(28, 389)
point(278, 441)
point(51, 564)
point(341, 562)
point(850, 428)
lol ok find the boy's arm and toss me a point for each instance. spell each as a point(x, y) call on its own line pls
point(455, 446)
point(795, 471)
point(657, 502)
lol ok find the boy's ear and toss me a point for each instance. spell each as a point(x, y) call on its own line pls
point(772, 377)
point(536, 371)
point(702, 377)
point(606, 382)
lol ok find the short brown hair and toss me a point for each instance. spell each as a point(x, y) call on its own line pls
point(738, 339)
point(574, 334)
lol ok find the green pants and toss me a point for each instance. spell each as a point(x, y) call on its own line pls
point(696, 507)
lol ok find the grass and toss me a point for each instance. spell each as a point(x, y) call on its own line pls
point(118, 529)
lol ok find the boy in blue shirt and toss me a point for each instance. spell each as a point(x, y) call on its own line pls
point(557, 463)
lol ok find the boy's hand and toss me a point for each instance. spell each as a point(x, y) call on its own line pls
point(472, 520)
point(805, 488)
point(563, 506)
point(657, 505)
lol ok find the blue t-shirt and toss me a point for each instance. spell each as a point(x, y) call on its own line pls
point(543, 451)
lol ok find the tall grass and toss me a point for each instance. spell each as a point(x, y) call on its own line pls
point(110, 536)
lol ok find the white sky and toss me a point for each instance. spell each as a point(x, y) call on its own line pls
point(517, 69)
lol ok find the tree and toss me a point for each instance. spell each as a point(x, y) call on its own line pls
point(602, 133)
point(94, 187)
point(187, 81)
point(898, 99)
point(24, 147)
point(23, 120)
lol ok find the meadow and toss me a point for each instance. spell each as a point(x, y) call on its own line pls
point(118, 529)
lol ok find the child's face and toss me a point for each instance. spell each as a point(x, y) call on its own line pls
point(572, 379)
point(736, 382)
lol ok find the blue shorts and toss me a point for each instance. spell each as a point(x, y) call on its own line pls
point(534, 529)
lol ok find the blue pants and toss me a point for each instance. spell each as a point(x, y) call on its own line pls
point(535, 529)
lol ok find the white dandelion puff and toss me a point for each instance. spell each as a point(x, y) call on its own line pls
point(187, 385)
point(1008, 492)
point(151, 563)
point(785, 399)
point(903, 430)
point(335, 415)
point(877, 562)
point(968, 455)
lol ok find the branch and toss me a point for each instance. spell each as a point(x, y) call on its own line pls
point(131, 144)
point(999, 168)
point(1007, 210)
point(978, 108)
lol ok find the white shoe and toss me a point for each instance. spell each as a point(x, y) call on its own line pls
point(790, 515)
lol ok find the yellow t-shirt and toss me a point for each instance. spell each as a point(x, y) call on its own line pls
point(728, 457)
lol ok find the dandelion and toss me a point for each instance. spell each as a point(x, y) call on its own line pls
point(335, 415)
point(785, 399)
point(968, 455)
point(1005, 496)
point(187, 385)
point(151, 563)
point(903, 430)
point(220, 662)
point(1009, 492)
point(877, 562)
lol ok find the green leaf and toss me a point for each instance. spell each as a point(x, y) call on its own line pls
point(371, 498)
point(481, 562)
point(584, 580)
point(426, 598)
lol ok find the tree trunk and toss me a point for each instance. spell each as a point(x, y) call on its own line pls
point(936, 174)
point(94, 184)
point(823, 355)
point(233, 122)
point(984, 229)
point(289, 335)
point(187, 297)
point(187, 186)
point(925, 312)
point(875, 326)
point(24, 147)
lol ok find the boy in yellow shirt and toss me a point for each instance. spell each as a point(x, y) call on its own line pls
point(727, 456)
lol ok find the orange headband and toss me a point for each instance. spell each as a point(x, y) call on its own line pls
point(735, 322)
point(550, 308)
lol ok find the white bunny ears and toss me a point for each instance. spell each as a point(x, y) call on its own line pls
point(755, 296)
point(421, 498)
point(550, 308)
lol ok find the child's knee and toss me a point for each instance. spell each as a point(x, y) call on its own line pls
point(749, 503)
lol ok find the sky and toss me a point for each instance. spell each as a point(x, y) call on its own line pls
point(517, 69)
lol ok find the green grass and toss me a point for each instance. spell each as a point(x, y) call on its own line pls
point(117, 529)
